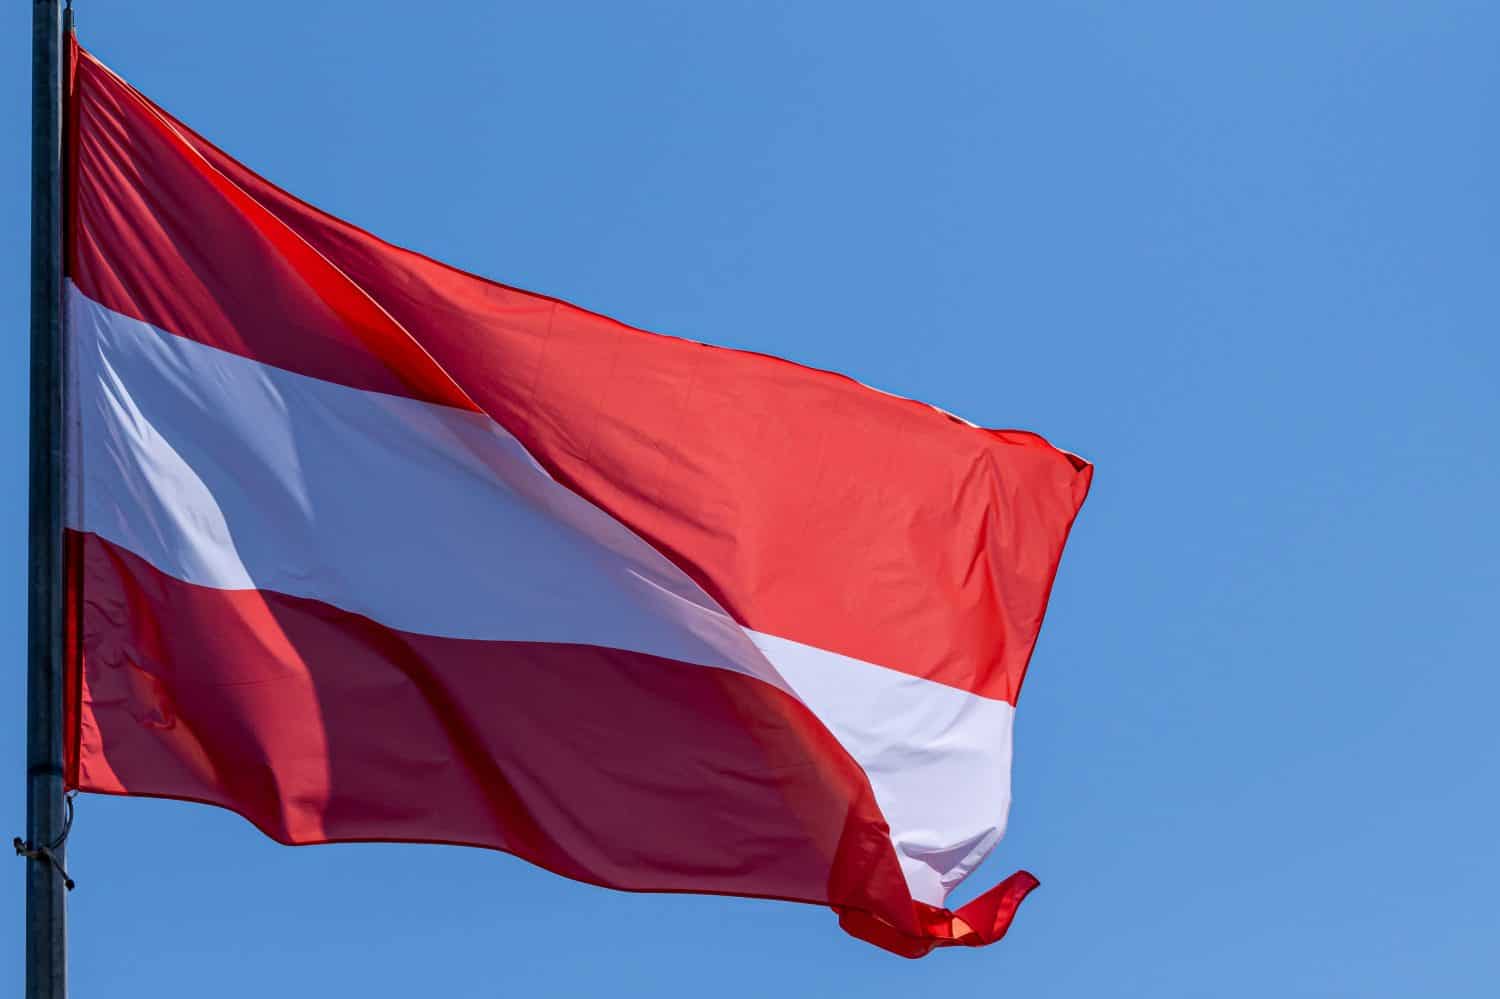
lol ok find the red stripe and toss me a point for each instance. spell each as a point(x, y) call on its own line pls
point(809, 506)
point(610, 767)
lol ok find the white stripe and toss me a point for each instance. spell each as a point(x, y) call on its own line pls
point(228, 473)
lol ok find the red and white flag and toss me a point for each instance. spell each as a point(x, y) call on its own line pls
point(363, 547)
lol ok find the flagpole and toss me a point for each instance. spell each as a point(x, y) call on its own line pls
point(46, 907)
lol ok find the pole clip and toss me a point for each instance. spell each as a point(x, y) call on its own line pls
point(47, 853)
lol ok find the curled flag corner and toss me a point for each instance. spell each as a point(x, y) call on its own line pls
point(979, 923)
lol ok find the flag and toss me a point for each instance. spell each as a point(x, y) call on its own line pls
point(364, 547)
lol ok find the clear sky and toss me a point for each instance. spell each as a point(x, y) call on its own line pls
point(1243, 257)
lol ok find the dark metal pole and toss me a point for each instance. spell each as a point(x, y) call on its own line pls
point(46, 909)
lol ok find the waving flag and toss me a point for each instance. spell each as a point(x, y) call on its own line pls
point(364, 547)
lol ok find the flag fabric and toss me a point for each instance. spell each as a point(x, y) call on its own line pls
point(364, 547)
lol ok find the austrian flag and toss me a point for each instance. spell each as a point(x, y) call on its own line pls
point(363, 547)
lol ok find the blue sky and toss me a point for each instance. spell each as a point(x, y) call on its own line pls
point(1241, 256)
